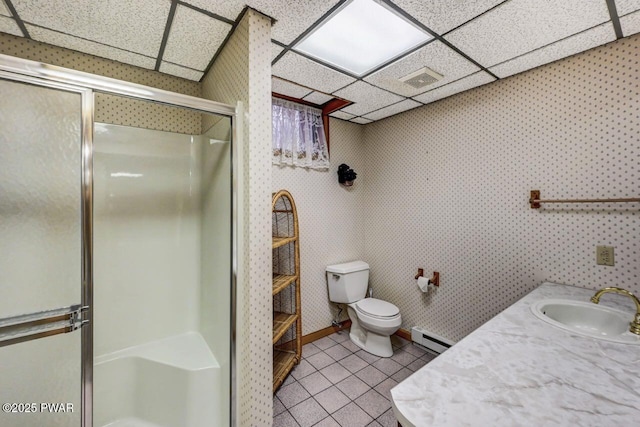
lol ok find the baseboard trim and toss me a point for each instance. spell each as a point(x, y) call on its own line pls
point(314, 336)
point(403, 333)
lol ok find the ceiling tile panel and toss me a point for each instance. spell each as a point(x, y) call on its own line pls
point(361, 120)
point(9, 26)
point(63, 40)
point(4, 11)
point(318, 98)
point(194, 38)
point(367, 98)
point(520, 26)
point(292, 17)
point(176, 70)
point(229, 9)
point(630, 24)
point(567, 47)
point(299, 69)
point(625, 7)
point(342, 115)
point(287, 88)
point(136, 26)
point(275, 50)
point(442, 16)
point(474, 80)
point(401, 106)
point(436, 55)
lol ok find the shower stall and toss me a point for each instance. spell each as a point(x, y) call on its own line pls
point(117, 252)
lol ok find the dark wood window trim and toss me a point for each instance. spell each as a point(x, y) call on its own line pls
point(327, 108)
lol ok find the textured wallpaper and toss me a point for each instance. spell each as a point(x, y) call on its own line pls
point(123, 111)
point(110, 108)
point(242, 72)
point(443, 187)
point(331, 219)
point(447, 188)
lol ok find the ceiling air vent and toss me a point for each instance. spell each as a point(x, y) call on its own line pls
point(421, 78)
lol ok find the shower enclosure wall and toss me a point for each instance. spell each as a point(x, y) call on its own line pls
point(129, 228)
point(161, 270)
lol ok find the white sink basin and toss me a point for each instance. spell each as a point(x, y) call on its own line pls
point(587, 318)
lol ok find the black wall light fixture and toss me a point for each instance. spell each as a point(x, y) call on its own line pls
point(346, 175)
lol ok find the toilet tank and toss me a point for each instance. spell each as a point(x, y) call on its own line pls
point(348, 282)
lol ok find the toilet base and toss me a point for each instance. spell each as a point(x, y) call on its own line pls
point(371, 342)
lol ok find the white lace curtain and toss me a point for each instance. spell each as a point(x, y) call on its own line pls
point(298, 135)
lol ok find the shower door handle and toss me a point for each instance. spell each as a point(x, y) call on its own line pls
point(27, 327)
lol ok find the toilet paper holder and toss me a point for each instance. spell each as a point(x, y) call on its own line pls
point(435, 280)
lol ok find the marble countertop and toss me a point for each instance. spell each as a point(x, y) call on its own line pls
point(516, 370)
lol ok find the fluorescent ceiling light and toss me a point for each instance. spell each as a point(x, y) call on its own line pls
point(360, 36)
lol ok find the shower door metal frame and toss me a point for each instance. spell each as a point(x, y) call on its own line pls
point(86, 208)
point(86, 84)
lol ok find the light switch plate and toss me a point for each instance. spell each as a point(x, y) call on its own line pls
point(604, 255)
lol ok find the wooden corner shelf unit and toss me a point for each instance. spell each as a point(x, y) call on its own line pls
point(287, 320)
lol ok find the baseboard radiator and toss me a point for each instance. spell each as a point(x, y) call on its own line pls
point(430, 341)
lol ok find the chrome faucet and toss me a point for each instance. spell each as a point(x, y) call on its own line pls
point(634, 326)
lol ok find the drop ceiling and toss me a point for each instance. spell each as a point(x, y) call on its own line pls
point(474, 42)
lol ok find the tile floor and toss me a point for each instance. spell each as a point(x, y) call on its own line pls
point(338, 384)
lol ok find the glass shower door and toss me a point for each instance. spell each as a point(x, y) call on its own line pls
point(41, 255)
point(162, 267)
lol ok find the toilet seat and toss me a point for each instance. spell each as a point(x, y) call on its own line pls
point(377, 308)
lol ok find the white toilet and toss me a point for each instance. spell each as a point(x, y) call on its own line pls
point(372, 320)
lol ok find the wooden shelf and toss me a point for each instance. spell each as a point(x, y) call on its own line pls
point(281, 241)
point(286, 272)
point(283, 362)
point(281, 281)
point(281, 323)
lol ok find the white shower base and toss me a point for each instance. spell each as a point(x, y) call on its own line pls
point(173, 382)
point(132, 422)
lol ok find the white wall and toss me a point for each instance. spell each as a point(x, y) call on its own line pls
point(215, 239)
point(162, 245)
point(445, 187)
point(146, 236)
point(331, 219)
point(242, 72)
point(215, 252)
point(448, 185)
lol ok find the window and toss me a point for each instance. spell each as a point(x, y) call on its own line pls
point(298, 135)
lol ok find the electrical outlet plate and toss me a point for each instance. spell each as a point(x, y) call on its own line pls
point(604, 255)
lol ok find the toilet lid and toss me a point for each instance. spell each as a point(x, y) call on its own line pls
point(377, 307)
